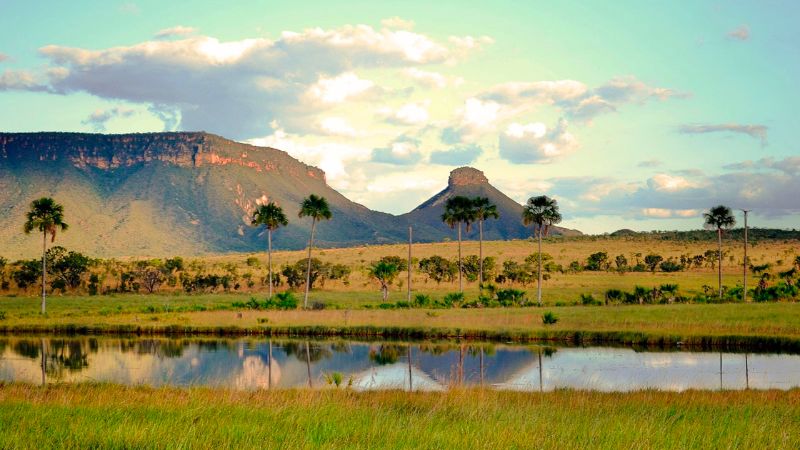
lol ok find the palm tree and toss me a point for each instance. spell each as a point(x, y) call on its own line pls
point(272, 217)
point(317, 208)
point(719, 218)
point(459, 210)
point(483, 210)
point(385, 273)
point(45, 216)
point(542, 211)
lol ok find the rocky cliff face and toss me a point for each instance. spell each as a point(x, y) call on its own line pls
point(465, 176)
point(182, 149)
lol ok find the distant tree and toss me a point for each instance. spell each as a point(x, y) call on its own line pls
point(271, 216)
point(484, 210)
point(45, 216)
point(597, 261)
point(719, 218)
point(150, 274)
point(459, 210)
point(317, 209)
point(622, 263)
point(542, 212)
point(652, 260)
point(67, 267)
point(174, 264)
point(25, 273)
point(401, 263)
point(385, 273)
point(437, 268)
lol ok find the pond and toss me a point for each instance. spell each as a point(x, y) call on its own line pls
point(282, 363)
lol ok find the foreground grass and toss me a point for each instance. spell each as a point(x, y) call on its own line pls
point(83, 416)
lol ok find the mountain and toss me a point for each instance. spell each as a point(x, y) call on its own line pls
point(471, 182)
point(190, 193)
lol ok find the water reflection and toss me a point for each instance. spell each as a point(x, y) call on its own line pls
point(265, 364)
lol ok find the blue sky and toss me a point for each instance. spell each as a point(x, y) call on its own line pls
point(633, 114)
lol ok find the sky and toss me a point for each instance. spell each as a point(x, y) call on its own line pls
point(631, 114)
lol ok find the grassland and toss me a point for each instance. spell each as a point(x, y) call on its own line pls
point(90, 416)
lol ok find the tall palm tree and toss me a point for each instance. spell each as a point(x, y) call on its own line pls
point(459, 210)
point(45, 216)
point(719, 218)
point(484, 210)
point(542, 212)
point(272, 217)
point(317, 208)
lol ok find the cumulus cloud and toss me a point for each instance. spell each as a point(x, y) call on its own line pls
point(740, 33)
point(398, 23)
point(403, 151)
point(176, 31)
point(413, 113)
point(534, 143)
point(790, 165)
point(460, 155)
point(336, 126)
point(475, 118)
point(98, 119)
point(755, 131)
point(663, 213)
point(235, 88)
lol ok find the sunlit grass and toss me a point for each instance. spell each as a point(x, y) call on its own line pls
point(71, 416)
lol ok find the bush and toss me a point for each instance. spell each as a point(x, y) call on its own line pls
point(453, 299)
point(2, 315)
point(589, 300)
point(614, 295)
point(317, 306)
point(670, 266)
point(422, 300)
point(549, 318)
point(511, 297)
point(284, 300)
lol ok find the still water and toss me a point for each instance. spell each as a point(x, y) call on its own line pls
point(263, 364)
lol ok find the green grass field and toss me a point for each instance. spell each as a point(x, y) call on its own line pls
point(90, 416)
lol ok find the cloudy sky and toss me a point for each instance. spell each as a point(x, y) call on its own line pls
point(633, 114)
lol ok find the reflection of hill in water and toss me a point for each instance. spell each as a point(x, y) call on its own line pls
point(244, 364)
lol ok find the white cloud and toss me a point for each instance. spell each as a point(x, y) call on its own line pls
point(98, 119)
point(431, 79)
point(339, 88)
point(235, 88)
point(413, 113)
point(337, 126)
point(176, 31)
point(398, 23)
point(665, 182)
point(534, 143)
point(663, 213)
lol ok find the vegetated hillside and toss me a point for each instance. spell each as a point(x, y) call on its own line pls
point(191, 193)
point(471, 182)
point(753, 234)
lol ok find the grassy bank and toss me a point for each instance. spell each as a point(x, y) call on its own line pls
point(768, 326)
point(112, 416)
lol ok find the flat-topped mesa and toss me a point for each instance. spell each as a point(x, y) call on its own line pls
point(466, 176)
point(184, 149)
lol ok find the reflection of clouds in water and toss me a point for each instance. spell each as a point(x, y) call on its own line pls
point(394, 376)
point(255, 374)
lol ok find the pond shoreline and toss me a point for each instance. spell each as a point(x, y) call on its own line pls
point(573, 337)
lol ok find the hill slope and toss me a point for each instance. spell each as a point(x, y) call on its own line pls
point(471, 182)
point(189, 193)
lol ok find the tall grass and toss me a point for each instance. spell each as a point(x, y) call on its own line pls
point(81, 416)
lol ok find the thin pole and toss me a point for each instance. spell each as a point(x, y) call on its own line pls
point(720, 371)
point(460, 282)
point(44, 272)
point(308, 364)
point(410, 241)
point(44, 363)
point(308, 269)
point(480, 253)
point(539, 291)
point(719, 254)
point(269, 259)
point(744, 264)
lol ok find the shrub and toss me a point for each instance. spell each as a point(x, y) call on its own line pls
point(548, 318)
point(589, 300)
point(510, 297)
point(285, 300)
point(422, 300)
point(453, 299)
point(317, 306)
point(670, 266)
point(2, 315)
point(614, 295)
point(252, 261)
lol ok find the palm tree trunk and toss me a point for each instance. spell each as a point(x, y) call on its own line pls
point(460, 270)
point(269, 259)
point(44, 272)
point(269, 381)
point(480, 253)
point(719, 254)
point(410, 380)
point(539, 287)
point(44, 363)
point(308, 270)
